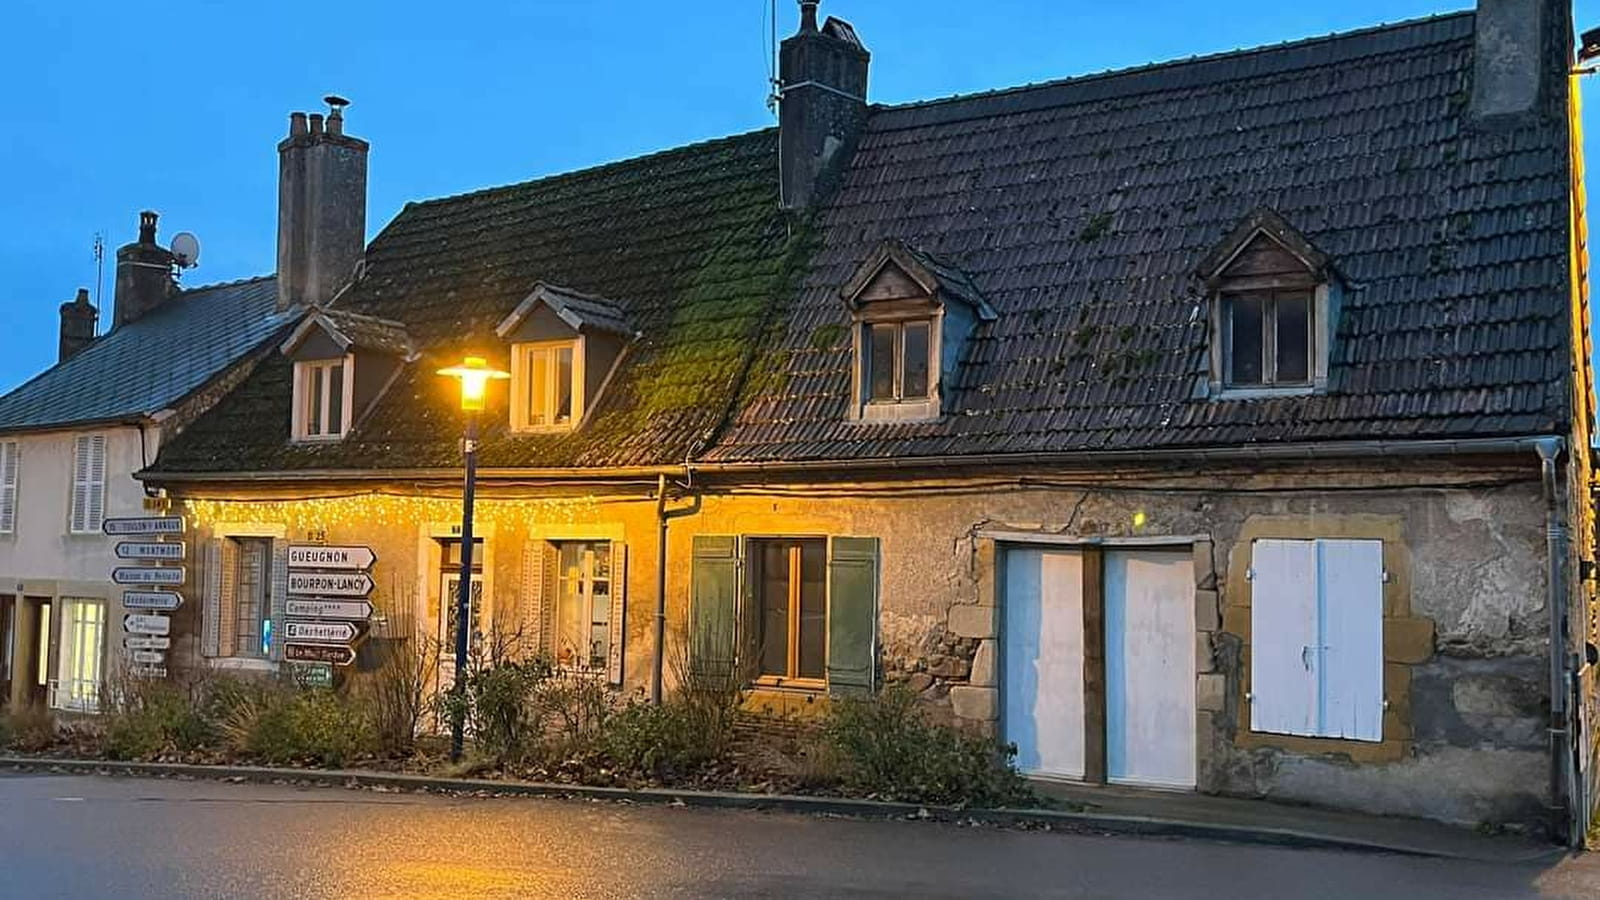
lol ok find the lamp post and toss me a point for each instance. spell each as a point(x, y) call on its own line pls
point(474, 374)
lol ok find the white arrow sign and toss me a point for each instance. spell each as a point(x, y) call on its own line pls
point(320, 632)
point(142, 671)
point(150, 550)
point(169, 575)
point(162, 600)
point(314, 556)
point(147, 525)
point(138, 623)
point(149, 657)
point(328, 609)
point(332, 584)
point(145, 642)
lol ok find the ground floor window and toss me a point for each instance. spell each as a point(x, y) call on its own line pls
point(252, 597)
point(583, 604)
point(789, 581)
point(83, 628)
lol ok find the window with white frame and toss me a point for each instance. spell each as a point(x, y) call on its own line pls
point(547, 386)
point(82, 653)
point(1316, 638)
point(10, 462)
point(252, 598)
point(898, 361)
point(323, 391)
point(87, 507)
point(583, 604)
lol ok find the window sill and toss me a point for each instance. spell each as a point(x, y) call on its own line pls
point(778, 682)
point(1330, 738)
point(541, 429)
point(319, 439)
point(906, 411)
point(1264, 393)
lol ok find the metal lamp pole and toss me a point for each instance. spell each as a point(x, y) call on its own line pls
point(464, 588)
point(475, 375)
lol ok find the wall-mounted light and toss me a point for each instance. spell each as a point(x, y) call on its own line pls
point(1588, 50)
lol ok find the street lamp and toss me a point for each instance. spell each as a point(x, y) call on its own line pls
point(474, 374)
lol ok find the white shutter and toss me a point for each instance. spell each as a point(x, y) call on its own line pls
point(1283, 637)
point(533, 593)
point(78, 514)
point(617, 622)
point(10, 458)
point(1351, 600)
point(96, 504)
point(211, 611)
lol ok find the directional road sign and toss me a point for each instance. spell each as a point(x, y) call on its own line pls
point(144, 525)
point(169, 575)
point(139, 623)
point(150, 550)
point(146, 642)
point(316, 556)
point(331, 584)
point(320, 632)
point(319, 675)
point(146, 671)
point(149, 657)
point(166, 601)
point(358, 610)
point(333, 654)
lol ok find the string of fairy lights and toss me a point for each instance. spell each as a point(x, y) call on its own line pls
point(369, 509)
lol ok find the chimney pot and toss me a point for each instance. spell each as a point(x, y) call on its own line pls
point(808, 15)
point(316, 124)
point(336, 105)
point(77, 326)
point(297, 124)
point(147, 226)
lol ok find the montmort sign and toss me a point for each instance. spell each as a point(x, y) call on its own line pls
point(150, 550)
point(318, 556)
point(148, 525)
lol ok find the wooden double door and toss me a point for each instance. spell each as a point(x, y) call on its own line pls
point(1098, 666)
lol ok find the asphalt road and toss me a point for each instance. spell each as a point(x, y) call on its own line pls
point(99, 837)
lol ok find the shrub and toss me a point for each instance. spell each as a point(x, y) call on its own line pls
point(887, 748)
point(660, 743)
point(147, 718)
point(498, 708)
point(31, 729)
point(396, 695)
point(281, 726)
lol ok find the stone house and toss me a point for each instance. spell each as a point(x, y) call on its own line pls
point(1215, 425)
point(71, 439)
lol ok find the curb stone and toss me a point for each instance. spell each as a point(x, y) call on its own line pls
point(391, 782)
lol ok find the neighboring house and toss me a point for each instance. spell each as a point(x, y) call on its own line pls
point(71, 439)
point(1221, 424)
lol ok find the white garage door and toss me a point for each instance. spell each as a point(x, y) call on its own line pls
point(1150, 668)
point(1043, 658)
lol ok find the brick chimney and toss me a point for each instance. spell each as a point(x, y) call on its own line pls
point(822, 102)
point(1521, 55)
point(144, 274)
point(322, 206)
point(77, 325)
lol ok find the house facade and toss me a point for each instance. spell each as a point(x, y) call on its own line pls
point(1218, 425)
point(71, 440)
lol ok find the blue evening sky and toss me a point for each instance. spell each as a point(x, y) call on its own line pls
point(113, 107)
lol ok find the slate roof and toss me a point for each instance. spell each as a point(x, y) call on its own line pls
point(1081, 210)
point(1078, 210)
point(579, 310)
point(689, 245)
point(353, 330)
point(153, 362)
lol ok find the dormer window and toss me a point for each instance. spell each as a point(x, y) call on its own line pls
point(912, 315)
point(1273, 299)
point(899, 361)
point(326, 348)
point(322, 399)
point(564, 347)
point(547, 386)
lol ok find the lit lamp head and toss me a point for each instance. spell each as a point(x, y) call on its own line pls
point(475, 375)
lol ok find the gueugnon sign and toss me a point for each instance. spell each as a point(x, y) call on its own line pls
point(315, 556)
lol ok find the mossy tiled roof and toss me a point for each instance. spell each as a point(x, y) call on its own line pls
point(690, 243)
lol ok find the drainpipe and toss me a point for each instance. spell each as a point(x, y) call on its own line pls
point(1556, 603)
point(661, 591)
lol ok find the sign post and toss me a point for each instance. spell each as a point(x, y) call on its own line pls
point(330, 584)
point(163, 575)
point(317, 556)
point(146, 525)
point(332, 654)
point(165, 601)
point(140, 623)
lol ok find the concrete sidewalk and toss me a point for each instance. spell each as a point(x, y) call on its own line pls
point(1392, 833)
point(1085, 809)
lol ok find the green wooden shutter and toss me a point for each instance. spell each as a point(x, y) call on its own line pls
point(852, 615)
point(713, 606)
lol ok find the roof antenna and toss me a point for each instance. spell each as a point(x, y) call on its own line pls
point(773, 87)
point(99, 274)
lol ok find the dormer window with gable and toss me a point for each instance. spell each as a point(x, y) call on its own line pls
point(342, 362)
point(564, 346)
point(911, 316)
point(1272, 301)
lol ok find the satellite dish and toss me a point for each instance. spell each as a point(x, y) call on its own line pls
point(186, 249)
